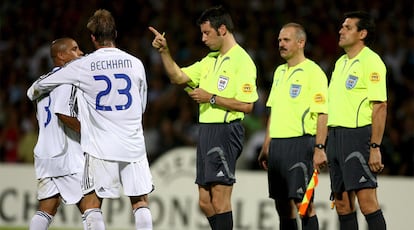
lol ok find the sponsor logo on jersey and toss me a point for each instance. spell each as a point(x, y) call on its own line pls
point(222, 82)
point(319, 98)
point(294, 90)
point(351, 81)
point(375, 77)
point(247, 88)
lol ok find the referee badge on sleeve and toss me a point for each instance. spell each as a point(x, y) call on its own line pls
point(294, 90)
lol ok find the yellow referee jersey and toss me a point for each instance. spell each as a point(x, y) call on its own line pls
point(355, 83)
point(232, 75)
point(298, 94)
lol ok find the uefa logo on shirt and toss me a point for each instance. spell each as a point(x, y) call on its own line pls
point(294, 90)
point(351, 82)
point(222, 82)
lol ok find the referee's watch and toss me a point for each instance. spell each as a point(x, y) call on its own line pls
point(374, 145)
point(320, 146)
point(213, 99)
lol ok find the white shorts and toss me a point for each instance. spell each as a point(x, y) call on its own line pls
point(108, 177)
point(69, 188)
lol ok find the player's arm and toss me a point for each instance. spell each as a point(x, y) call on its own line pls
point(264, 152)
point(201, 96)
point(319, 156)
point(175, 74)
point(46, 83)
point(233, 104)
point(71, 122)
point(379, 115)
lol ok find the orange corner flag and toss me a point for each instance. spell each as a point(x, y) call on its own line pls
point(309, 193)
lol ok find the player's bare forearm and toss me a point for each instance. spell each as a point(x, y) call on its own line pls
point(173, 71)
point(319, 156)
point(321, 128)
point(199, 95)
point(71, 122)
point(234, 105)
point(379, 116)
point(264, 152)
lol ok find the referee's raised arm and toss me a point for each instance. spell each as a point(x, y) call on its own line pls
point(174, 72)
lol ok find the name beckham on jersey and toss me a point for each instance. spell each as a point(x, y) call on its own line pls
point(111, 64)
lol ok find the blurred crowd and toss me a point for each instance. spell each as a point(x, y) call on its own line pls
point(28, 27)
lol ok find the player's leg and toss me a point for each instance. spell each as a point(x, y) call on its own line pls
point(91, 212)
point(368, 203)
point(287, 214)
point(81, 206)
point(70, 189)
point(221, 202)
point(310, 220)
point(339, 146)
point(44, 215)
point(142, 213)
point(94, 176)
point(345, 207)
point(204, 201)
point(304, 147)
point(278, 164)
point(137, 183)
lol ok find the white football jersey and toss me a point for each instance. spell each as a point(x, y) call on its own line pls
point(113, 97)
point(57, 151)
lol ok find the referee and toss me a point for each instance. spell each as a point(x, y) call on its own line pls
point(296, 132)
point(224, 85)
point(357, 115)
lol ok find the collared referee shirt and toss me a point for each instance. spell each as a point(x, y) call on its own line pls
point(232, 75)
point(355, 83)
point(298, 94)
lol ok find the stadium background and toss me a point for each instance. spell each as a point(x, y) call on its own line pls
point(28, 27)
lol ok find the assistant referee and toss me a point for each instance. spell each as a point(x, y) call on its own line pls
point(296, 132)
point(357, 114)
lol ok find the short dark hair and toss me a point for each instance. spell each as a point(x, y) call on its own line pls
point(365, 23)
point(217, 16)
point(102, 26)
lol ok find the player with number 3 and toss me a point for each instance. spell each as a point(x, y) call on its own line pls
point(113, 97)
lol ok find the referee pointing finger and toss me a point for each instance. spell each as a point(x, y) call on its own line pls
point(223, 83)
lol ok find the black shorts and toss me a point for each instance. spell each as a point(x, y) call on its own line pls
point(348, 155)
point(290, 167)
point(219, 147)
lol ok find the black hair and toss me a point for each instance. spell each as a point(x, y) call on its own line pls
point(365, 23)
point(217, 16)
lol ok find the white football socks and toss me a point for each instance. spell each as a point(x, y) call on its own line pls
point(40, 221)
point(93, 219)
point(143, 218)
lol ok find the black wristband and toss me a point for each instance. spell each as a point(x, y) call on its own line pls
point(374, 145)
point(320, 146)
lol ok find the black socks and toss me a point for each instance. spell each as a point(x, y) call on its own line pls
point(348, 222)
point(310, 223)
point(376, 220)
point(222, 221)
